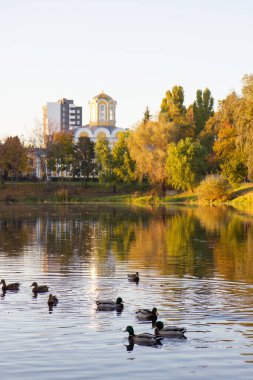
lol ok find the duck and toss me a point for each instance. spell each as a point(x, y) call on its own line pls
point(13, 286)
point(39, 289)
point(52, 300)
point(147, 315)
point(169, 331)
point(133, 277)
point(107, 305)
point(144, 338)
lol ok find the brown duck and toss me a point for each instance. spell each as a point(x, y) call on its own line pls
point(13, 286)
point(39, 289)
point(52, 300)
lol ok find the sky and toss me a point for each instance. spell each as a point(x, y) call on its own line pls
point(133, 50)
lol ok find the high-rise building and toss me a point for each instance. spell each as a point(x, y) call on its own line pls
point(61, 116)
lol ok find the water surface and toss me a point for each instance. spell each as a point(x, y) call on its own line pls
point(195, 265)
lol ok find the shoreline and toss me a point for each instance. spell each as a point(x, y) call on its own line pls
point(73, 193)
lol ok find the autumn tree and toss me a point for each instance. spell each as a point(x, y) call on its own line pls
point(173, 112)
point(185, 164)
point(13, 157)
point(172, 105)
point(148, 148)
point(244, 123)
point(60, 153)
point(228, 150)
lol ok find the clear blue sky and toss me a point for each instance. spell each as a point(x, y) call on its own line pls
point(134, 50)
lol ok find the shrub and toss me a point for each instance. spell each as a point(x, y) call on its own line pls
point(62, 195)
point(213, 188)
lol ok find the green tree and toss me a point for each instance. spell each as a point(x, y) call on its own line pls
point(234, 170)
point(104, 161)
point(83, 158)
point(124, 166)
point(13, 157)
point(185, 164)
point(146, 116)
point(202, 109)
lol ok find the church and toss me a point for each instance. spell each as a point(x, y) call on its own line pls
point(102, 120)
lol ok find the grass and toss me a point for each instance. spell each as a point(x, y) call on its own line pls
point(73, 192)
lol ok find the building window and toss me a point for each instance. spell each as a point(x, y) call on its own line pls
point(78, 111)
point(78, 117)
point(111, 112)
point(102, 112)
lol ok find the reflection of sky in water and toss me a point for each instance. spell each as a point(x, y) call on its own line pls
point(195, 266)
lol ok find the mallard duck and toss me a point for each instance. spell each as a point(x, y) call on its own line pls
point(13, 286)
point(110, 305)
point(147, 315)
point(169, 331)
point(145, 338)
point(52, 300)
point(39, 289)
point(133, 277)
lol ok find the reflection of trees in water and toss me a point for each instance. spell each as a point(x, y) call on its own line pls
point(14, 235)
point(198, 241)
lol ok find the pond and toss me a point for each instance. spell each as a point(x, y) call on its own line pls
point(195, 265)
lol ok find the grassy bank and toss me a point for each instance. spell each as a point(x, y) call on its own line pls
point(73, 192)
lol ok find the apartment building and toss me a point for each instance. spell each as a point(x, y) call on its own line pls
point(61, 116)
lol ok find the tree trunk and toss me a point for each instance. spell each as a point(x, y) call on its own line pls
point(163, 188)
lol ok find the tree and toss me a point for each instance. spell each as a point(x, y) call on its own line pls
point(172, 106)
point(146, 116)
point(124, 166)
point(13, 157)
point(60, 153)
point(202, 109)
point(148, 148)
point(104, 161)
point(83, 158)
point(173, 112)
point(244, 123)
point(234, 170)
point(185, 164)
point(225, 144)
point(213, 187)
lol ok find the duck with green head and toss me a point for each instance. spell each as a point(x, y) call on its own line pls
point(108, 305)
point(169, 331)
point(144, 338)
point(13, 286)
point(39, 288)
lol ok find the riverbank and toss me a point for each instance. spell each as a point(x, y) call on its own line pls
point(73, 192)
